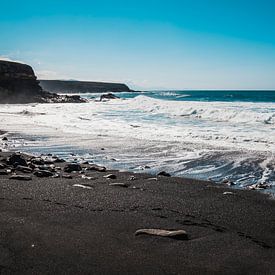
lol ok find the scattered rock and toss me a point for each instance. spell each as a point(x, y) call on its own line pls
point(43, 174)
point(175, 234)
point(20, 177)
point(2, 166)
point(164, 174)
point(16, 159)
point(228, 182)
point(97, 168)
point(110, 176)
point(3, 173)
point(67, 176)
point(58, 160)
point(23, 169)
point(228, 193)
point(37, 161)
point(87, 178)
point(155, 179)
point(108, 96)
point(4, 138)
point(132, 178)
point(71, 167)
point(259, 186)
point(85, 186)
point(119, 184)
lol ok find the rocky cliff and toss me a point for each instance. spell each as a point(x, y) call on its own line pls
point(61, 86)
point(18, 84)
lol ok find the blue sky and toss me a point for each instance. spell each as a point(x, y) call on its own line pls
point(149, 44)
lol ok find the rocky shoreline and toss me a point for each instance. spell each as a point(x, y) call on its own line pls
point(18, 84)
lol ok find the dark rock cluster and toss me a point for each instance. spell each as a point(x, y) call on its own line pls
point(20, 166)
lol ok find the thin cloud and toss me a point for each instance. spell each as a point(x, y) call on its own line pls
point(6, 58)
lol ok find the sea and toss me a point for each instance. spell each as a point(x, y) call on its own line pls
point(209, 135)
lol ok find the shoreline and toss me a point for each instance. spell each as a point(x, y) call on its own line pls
point(112, 162)
point(87, 224)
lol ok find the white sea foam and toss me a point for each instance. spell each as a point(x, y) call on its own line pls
point(204, 139)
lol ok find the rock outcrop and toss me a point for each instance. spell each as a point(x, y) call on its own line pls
point(64, 86)
point(18, 84)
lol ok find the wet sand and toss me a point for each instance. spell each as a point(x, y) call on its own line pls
point(50, 226)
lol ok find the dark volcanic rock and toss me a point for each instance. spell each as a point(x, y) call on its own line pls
point(18, 84)
point(164, 174)
point(20, 177)
point(43, 173)
point(62, 86)
point(71, 167)
point(16, 159)
point(23, 169)
point(108, 96)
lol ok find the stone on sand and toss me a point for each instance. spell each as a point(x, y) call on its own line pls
point(110, 176)
point(175, 234)
point(43, 173)
point(20, 177)
point(17, 159)
point(119, 184)
point(72, 167)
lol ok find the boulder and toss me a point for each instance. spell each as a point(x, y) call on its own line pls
point(43, 173)
point(16, 159)
point(108, 96)
point(164, 174)
point(71, 167)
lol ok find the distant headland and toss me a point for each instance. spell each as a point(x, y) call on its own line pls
point(19, 84)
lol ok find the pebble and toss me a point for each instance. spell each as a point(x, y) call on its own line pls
point(71, 167)
point(23, 169)
point(43, 174)
point(85, 186)
point(120, 184)
point(228, 193)
point(20, 177)
point(153, 179)
point(175, 234)
point(97, 168)
point(67, 176)
point(110, 176)
point(3, 173)
point(164, 174)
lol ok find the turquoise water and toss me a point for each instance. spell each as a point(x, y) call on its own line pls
point(208, 96)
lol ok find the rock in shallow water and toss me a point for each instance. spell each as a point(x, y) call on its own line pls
point(164, 174)
point(175, 234)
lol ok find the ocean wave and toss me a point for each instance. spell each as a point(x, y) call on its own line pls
point(250, 113)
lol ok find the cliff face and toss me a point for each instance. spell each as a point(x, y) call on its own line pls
point(61, 86)
point(18, 84)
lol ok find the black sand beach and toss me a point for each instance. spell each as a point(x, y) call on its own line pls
point(50, 226)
